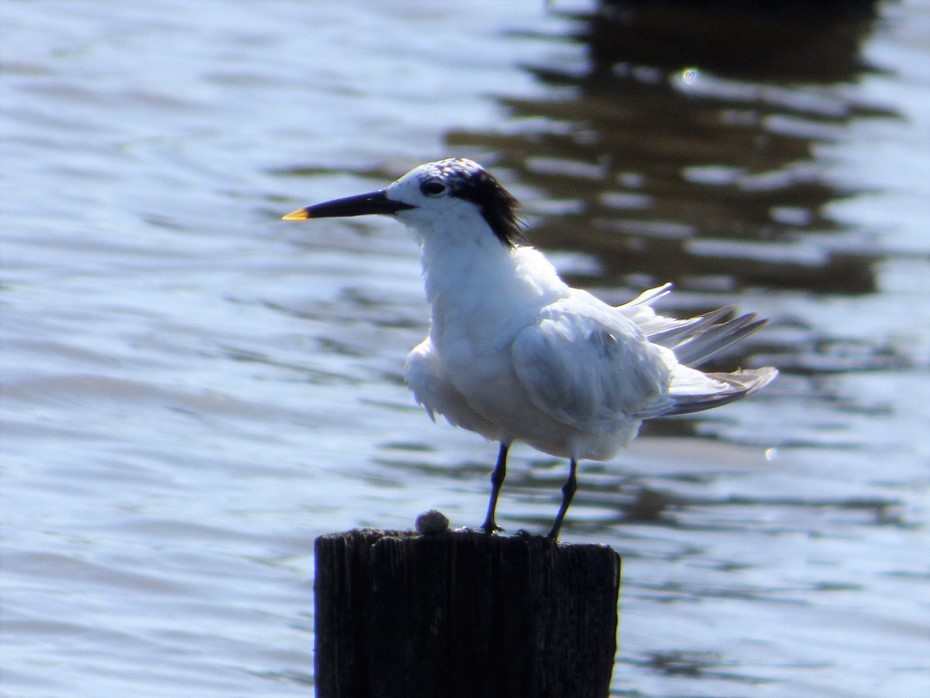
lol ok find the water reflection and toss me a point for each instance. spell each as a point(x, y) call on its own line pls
point(686, 144)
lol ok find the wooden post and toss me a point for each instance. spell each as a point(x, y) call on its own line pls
point(461, 613)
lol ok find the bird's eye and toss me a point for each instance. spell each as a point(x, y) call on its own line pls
point(432, 187)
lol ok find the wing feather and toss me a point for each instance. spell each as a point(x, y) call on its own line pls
point(590, 367)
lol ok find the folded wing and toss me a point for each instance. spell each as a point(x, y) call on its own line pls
point(597, 368)
point(590, 367)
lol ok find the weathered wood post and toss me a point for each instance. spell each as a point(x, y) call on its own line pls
point(461, 613)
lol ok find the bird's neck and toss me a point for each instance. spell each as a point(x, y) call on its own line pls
point(483, 282)
point(467, 267)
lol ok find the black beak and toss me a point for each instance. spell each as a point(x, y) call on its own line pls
point(361, 205)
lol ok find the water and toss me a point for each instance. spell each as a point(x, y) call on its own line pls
point(193, 390)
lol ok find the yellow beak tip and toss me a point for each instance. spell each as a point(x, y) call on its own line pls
point(298, 215)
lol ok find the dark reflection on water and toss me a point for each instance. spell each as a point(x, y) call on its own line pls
point(695, 665)
point(685, 145)
point(759, 40)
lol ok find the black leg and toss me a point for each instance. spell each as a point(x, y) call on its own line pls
point(497, 480)
point(568, 491)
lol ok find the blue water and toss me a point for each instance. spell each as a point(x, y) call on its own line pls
point(192, 389)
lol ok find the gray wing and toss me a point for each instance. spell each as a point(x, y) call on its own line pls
point(588, 366)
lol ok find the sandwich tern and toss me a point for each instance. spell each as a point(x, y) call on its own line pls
point(515, 354)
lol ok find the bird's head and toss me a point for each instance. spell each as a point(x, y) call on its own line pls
point(443, 195)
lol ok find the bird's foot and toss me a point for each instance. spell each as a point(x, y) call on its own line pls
point(490, 527)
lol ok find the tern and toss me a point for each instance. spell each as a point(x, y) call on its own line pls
point(516, 354)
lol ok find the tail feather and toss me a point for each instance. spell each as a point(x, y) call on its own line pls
point(695, 393)
point(710, 340)
point(648, 296)
point(694, 341)
point(686, 329)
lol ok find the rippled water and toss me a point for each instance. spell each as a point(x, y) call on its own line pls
point(192, 390)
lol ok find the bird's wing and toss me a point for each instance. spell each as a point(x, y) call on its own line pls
point(588, 366)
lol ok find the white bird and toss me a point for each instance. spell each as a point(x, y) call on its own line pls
point(515, 354)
